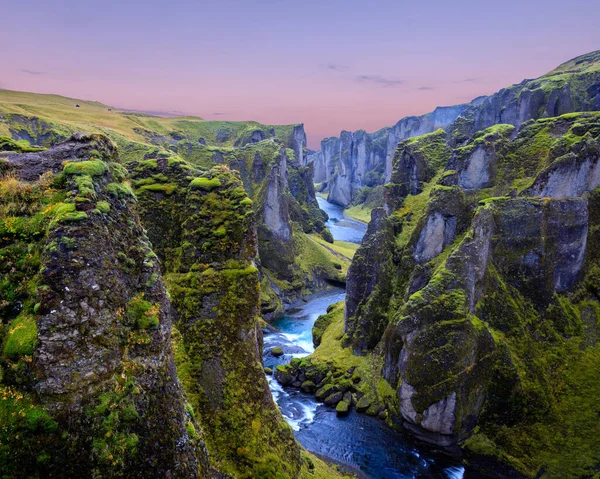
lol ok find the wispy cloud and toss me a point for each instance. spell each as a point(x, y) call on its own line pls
point(218, 113)
point(379, 80)
point(425, 88)
point(32, 72)
point(334, 67)
point(468, 80)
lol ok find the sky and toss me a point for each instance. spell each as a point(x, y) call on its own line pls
point(332, 65)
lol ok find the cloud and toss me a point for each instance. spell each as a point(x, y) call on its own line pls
point(425, 88)
point(469, 80)
point(32, 72)
point(218, 113)
point(379, 80)
point(334, 67)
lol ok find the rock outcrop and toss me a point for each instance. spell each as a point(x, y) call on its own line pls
point(483, 253)
point(89, 385)
point(357, 160)
point(573, 86)
point(211, 275)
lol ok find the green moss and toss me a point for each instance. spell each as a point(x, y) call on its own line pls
point(67, 213)
point(208, 184)
point(277, 351)
point(19, 146)
point(342, 408)
point(167, 188)
point(89, 168)
point(120, 190)
point(85, 187)
point(21, 338)
point(246, 202)
point(116, 418)
point(220, 231)
point(142, 313)
point(103, 207)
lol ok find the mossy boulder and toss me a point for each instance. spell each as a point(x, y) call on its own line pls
point(308, 387)
point(363, 404)
point(342, 408)
point(334, 398)
point(277, 351)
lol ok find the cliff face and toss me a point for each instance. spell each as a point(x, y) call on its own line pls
point(272, 162)
point(211, 275)
point(573, 86)
point(356, 160)
point(89, 386)
point(480, 289)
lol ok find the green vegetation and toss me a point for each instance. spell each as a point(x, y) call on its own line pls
point(208, 184)
point(142, 313)
point(90, 168)
point(19, 146)
point(359, 212)
point(120, 190)
point(115, 442)
point(21, 338)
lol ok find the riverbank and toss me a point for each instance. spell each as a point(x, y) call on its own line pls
point(363, 443)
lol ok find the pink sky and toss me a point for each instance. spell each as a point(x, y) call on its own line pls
point(330, 65)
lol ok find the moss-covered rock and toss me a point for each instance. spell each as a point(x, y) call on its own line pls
point(277, 351)
point(342, 408)
point(89, 384)
point(479, 316)
point(205, 235)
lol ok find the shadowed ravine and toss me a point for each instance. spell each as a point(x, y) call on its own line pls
point(361, 441)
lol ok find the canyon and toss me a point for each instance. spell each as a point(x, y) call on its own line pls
point(190, 298)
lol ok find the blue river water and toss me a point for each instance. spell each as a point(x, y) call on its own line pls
point(342, 229)
point(363, 442)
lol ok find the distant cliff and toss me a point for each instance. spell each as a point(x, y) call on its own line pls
point(355, 160)
point(359, 159)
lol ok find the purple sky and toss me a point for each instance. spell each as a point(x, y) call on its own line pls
point(332, 65)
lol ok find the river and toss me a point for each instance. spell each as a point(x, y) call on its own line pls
point(363, 442)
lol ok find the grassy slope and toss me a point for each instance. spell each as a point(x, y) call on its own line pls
point(94, 116)
point(341, 252)
point(360, 213)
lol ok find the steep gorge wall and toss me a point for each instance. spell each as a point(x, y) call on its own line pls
point(355, 160)
point(211, 275)
point(89, 386)
point(483, 291)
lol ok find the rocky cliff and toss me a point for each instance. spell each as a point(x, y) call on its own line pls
point(202, 224)
point(131, 344)
point(272, 162)
point(347, 164)
point(89, 386)
point(356, 160)
point(482, 292)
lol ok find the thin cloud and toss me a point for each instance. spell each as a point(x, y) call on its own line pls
point(334, 67)
point(32, 72)
point(218, 113)
point(425, 88)
point(469, 80)
point(379, 80)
